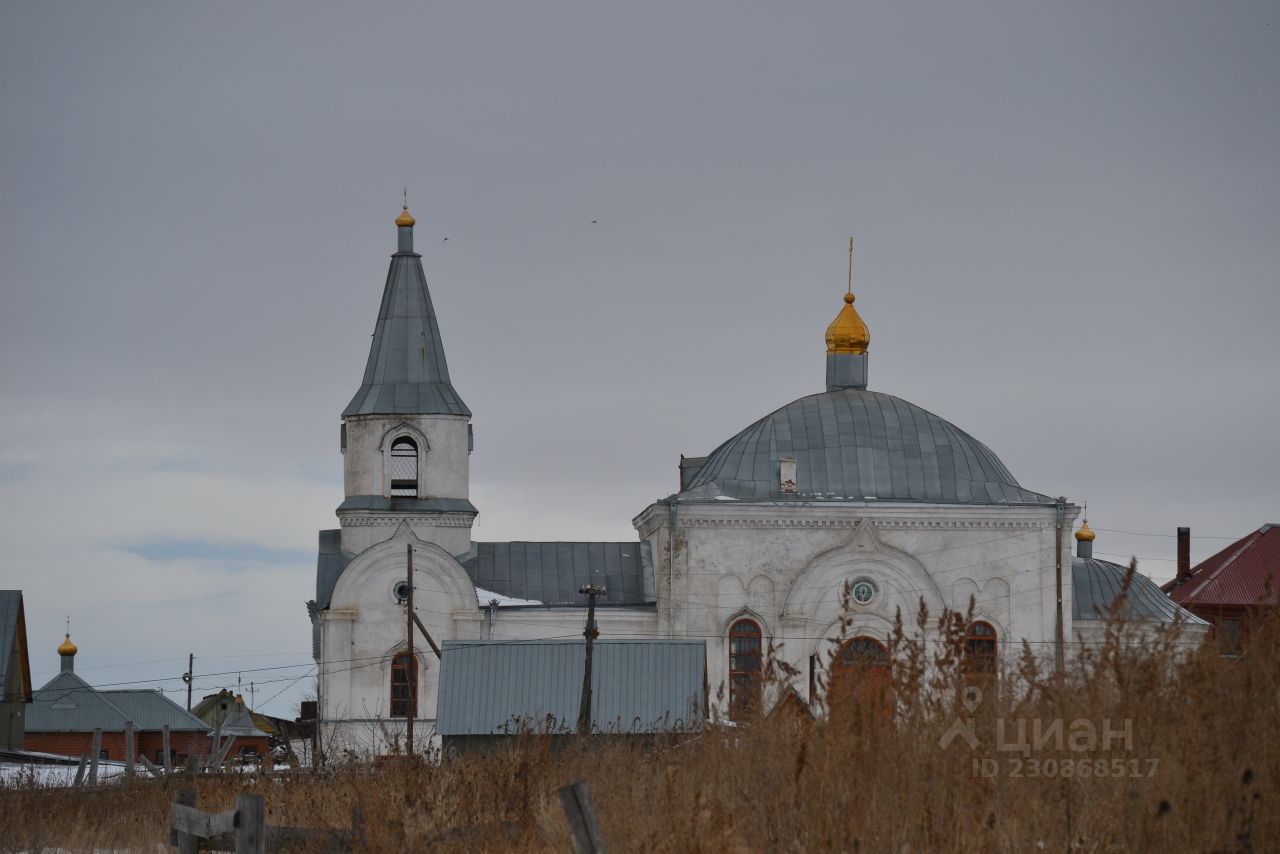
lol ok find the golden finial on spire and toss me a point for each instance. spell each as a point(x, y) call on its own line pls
point(405, 219)
point(1085, 534)
point(847, 333)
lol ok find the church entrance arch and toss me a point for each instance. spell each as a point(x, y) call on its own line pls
point(860, 685)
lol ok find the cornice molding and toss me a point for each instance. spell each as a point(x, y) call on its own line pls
point(359, 519)
point(882, 524)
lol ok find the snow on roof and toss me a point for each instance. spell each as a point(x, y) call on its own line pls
point(488, 597)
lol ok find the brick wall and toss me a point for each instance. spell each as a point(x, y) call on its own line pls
point(147, 744)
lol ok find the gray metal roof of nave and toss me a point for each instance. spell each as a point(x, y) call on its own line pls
point(854, 444)
point(637, 686)
point(552, 573)
point(406, 372)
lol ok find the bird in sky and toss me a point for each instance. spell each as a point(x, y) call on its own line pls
point(446, 240)
point(594, 222)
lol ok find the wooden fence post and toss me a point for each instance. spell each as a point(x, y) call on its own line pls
point(128, 748)
point(185, 843)
point(164, 733)
point(251, 824)
point(217, 745)
point(580, 812)
point(80, 769)
point(94, 751)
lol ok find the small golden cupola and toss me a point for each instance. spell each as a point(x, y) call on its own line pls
point(404, 226)
point(67, 653)
point(847, 342)
point(67, 647)
point(1084, 539)
point(847, 333)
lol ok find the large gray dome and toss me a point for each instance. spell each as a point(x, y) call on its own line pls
point(854, 444)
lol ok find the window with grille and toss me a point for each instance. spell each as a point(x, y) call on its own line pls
point(404, 686)
point(745, 664)
point(404, 468)
point(980, 648)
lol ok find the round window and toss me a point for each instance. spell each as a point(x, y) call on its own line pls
point(864, 590)
point(401, 591)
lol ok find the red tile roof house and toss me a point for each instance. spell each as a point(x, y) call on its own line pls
point(1233, 589)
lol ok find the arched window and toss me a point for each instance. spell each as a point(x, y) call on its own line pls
point(980, 648)
point(404, 686)
point(745, 667)
point(404, 468)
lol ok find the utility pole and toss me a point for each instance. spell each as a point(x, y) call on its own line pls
point(189, 676)
point(591, 591)
point(412, 686)
point(1060, 516)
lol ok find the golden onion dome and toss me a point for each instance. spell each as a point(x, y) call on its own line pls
point(67, 647)
point(1085, 534)
point(405, 218)
point(847, 333)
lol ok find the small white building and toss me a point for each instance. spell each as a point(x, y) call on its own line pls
point(846, 503)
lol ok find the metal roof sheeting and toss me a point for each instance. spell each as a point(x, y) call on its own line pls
point(1096, 584)
point(331, 560)
point(638, 686)
point(69, 704)
point(406, 373)
point(856, 444)
point(13, 666)
point(552, 572)
point(1245, 573)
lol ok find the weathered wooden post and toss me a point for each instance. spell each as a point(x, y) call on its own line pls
point(251, 824)
point(164, 734)
point(212, 764)
point(580, 812)
point(81, 768)
point(185, 843)
point(128, 748)
point(94, 751)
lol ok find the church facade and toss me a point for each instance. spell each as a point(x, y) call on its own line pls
point(800, 537)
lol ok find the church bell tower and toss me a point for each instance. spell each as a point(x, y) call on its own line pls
point(406, 434)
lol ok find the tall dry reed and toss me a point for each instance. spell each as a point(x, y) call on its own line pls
point(1143, 744)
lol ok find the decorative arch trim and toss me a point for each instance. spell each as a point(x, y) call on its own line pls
point(747, 613)
point(404, 428)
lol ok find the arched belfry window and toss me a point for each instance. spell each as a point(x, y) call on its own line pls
point(980, 648)
point(745, 666)
point(404, 468)
point(404, 686)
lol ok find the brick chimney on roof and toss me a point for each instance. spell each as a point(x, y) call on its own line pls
point(1184, 555)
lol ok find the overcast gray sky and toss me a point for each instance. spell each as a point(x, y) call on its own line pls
point(1067, 219)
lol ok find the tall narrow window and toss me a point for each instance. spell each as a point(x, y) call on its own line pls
point(744, 668)
point(404, 468)
point(404, 686)
point(980, 649)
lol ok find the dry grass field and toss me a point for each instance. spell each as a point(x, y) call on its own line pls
point(1162, 747)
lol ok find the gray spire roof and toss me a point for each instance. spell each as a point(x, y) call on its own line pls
point(406, 373)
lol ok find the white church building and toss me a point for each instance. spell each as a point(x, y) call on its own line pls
point(806, 532)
